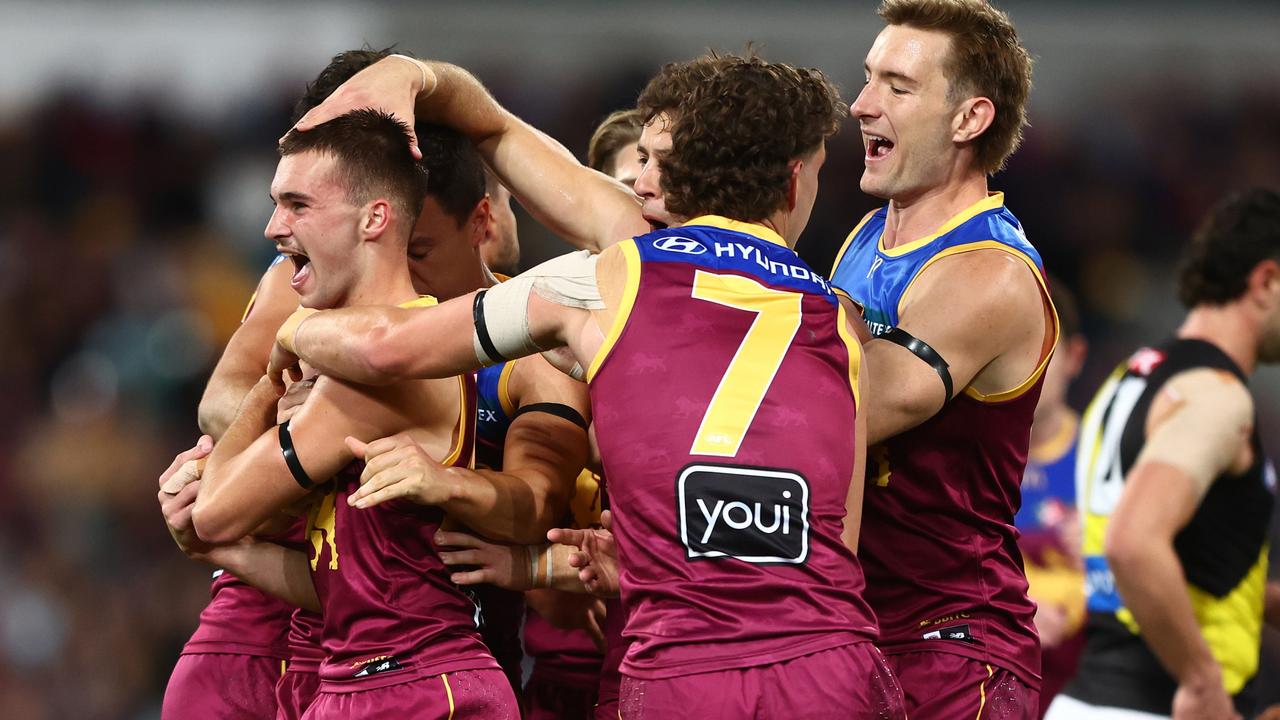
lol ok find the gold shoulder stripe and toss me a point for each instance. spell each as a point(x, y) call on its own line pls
point(848, 240)
point(990, 202)
point(631, 256)
point(504, 388)
point(855, 353)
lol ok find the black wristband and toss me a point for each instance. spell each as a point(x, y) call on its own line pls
point(921, 349)
point(300, 476)
point(560, 410)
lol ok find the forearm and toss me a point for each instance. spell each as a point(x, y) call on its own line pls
point(501, 506)
point(221, 401)
point(587, 209)
point(1149, 579)
point(271, 568)
point(381, 345)
point(257, 413)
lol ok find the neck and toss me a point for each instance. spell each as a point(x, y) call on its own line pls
point(1229, 328)
point(385, 281)
point(780, 222)
point(920, 215)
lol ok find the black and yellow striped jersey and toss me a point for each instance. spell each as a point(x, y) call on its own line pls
point(1223, 549)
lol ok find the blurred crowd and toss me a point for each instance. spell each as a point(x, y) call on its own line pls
point(130, 242)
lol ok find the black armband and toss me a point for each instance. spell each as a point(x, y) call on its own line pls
point(482, 330)
point(560, 410)
point(921, 349)
point(300, 475)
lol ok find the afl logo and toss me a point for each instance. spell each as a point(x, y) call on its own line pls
point(684, 245)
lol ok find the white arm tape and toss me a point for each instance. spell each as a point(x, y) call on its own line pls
point(502, 315)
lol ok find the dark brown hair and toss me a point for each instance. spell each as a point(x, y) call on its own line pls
point(339, 70)
point(737, 126)
point(372, 153)
point(986, 60)
point(1242, 231)
point(455, 172)
point(620, 129)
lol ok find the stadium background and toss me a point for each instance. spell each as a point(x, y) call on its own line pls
point(136, 147)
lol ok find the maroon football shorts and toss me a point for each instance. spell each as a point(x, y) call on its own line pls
point(850, 682)
point(295, 692)
point(946, 685)
point(221, 686)
point(458, 695)
point(546, 699)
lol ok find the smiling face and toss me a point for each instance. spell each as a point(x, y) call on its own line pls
point(655, 142)
point(905, 115)
point(316, 225)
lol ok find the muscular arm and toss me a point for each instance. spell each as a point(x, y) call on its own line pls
point(542, 457)
point(974, 309)
point(244, 360)
point(588, 209)
point(271, 568)
point(377, 345)
point(1201, 426)
point(246, 480)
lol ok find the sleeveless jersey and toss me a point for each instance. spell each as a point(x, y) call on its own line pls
point(938, 544)
point(390, 612)
point(241, 619)
point(501, 611)
point(724, 398)
point(1223, 549)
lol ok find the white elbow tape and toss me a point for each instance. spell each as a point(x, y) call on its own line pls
point(568, 280)
point(501, 317)
point(501, 313)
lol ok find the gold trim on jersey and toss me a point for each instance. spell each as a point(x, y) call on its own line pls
point(631, 258)
point(848, 240)
point(461, 429)
point(855, 353)
point(504, 389)
point(752, 229)
point(1027, 384)
point(990, 202)
point(448, 692)
point(982, 691)
point(248, 308)
point(1053, 449)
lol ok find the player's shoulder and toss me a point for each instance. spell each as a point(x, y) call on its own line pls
point(1210, 386)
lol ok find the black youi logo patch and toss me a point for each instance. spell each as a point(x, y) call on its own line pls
point(752, 514)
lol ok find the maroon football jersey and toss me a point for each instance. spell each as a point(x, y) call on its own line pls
point(241, 620)
point(724, 400)
point(390, 612)
point(938, 542)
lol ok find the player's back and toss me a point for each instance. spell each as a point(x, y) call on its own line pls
point(938, 543)
point(724, 399)
point(390, 612)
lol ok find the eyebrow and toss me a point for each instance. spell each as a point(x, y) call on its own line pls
point(893, 76)
point(293, 196)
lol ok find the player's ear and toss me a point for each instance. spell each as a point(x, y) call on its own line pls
point(481, 223)
point(1264, 284)
point(972, 119)
point(793, 185)
point(376, 218)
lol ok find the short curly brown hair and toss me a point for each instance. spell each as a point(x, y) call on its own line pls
point(737, 125)
point(987, 60)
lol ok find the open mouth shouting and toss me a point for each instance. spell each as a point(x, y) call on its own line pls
point(302, 269)
point(878, 147)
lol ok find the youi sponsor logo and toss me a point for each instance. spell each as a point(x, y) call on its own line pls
point(751, 514)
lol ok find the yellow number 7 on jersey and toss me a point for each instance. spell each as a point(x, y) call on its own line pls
point(744, 384)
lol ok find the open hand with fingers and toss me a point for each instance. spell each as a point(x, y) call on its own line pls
point(596, 558)
point(179, 484)
point(507, 566)
point(398, 467)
